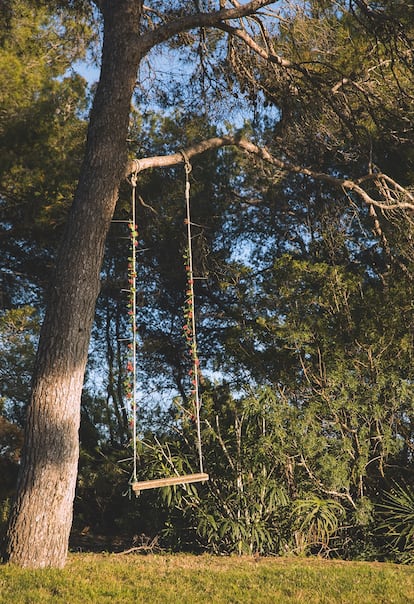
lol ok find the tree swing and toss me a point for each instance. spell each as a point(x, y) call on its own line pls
point(190, 333)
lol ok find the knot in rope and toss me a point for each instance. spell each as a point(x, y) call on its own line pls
point(188, 167)
point(134, 175)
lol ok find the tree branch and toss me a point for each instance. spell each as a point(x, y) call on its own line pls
point(392, 196)
point(211, 19)
point(165, 161)
point(267, 55)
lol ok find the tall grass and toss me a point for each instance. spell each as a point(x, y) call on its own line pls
point(182, 579)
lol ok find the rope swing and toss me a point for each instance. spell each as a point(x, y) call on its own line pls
point(190, 336)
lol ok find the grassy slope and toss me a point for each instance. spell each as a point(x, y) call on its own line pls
point(181, 579)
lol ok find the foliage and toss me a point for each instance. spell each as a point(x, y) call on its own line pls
point(237, 511)
point(278, 481)
point(18, 336)
point(5, 508)
point(317, 521)
point(41, 134)
point(19, 329)
point(396, 512)
point(11, 441)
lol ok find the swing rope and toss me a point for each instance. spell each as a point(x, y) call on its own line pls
point(191, 305)
point(136, 485)
point(133, 310)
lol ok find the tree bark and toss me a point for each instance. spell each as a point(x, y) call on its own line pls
point(39, 528)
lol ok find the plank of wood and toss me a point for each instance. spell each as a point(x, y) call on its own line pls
point(167, 482)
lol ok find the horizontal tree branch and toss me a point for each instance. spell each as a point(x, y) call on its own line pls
point(179, 25)
point(165, 161)
point(392, 196)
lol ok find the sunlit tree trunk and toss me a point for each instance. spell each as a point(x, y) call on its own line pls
point(41, 520)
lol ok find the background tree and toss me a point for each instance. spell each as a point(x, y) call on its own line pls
point(42, 134)
point(339, 258)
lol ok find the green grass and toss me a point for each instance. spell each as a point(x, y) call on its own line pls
point(185, 579)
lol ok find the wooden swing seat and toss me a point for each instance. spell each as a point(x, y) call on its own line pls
point(168, 482)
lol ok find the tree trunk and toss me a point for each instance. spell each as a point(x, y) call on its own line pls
point(39, 528)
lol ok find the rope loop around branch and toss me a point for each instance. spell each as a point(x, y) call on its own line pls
point(134, 174)
point(187, 165)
